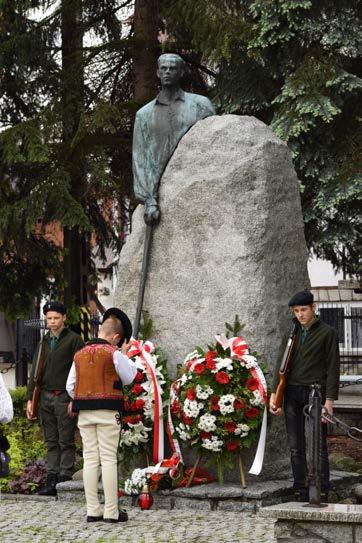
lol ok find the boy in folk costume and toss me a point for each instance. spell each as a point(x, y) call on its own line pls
point(95, 383)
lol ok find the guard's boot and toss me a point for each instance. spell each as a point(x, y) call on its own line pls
point(50, 488)
point(301, 495)
point(64, 478)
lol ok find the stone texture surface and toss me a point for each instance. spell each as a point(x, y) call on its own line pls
point(313, 532)
point(62, 522)
point(230, 240)
point(333, 512)
point(256, 495)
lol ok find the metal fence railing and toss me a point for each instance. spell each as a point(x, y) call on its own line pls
point(347, 321)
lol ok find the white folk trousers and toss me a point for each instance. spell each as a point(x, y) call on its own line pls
point(100, 435)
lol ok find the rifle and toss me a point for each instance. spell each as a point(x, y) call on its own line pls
point(37, 378)
point(284, 367)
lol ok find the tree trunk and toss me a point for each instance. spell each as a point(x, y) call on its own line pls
point(146, 50)
point(76, 257)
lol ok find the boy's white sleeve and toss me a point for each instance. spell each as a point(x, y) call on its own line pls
point(124, 367)
point(70, 384)
point(6, 403)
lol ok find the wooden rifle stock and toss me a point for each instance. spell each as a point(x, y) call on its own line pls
point(35, 401)
point(37, 380)
point(284, 367)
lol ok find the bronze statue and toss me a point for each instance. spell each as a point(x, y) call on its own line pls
point(159, 126)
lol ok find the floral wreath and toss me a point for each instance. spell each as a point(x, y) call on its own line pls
point(144, 403)
point(218, 402)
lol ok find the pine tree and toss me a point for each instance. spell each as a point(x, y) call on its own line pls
point(295, 65)
point(67, 110)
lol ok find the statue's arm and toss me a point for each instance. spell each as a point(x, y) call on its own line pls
point(139, 162)
point(145, 181)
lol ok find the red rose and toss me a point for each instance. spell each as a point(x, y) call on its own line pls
point(139, 377)
point(199, 368)
point(137, 389)
point(230, 427)
point(211, 364)
point(120, 493)
point(205, 435)
point(191, 394)
point(222, 377)
point(210, 355)
point(215, 403)
point(232, 446)
point(175, 407)
point(187, 420)
point(155, 477)
point(139, 403)
point(127, 420)
point(137, 418)
point(252, 413)
point(252, 384)
point(239, 404)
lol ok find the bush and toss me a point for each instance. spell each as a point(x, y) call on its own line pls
point(26, 442)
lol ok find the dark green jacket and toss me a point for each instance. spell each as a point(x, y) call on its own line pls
point(316, 361)
point(57, 363)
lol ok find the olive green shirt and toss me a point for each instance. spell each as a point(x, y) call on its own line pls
point(315, 360)
point(57, 362)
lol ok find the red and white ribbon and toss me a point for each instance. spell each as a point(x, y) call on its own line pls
point(170, 429)
point(144, 350)
point(239, 348)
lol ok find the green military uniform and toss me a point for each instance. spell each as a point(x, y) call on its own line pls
point(58, 427)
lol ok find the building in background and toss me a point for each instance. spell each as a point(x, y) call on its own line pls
point(339, 303)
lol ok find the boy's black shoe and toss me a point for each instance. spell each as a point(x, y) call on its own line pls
point(94, 519)
point(50, 488)
point(122, 517)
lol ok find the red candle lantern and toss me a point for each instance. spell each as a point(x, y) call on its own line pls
point(145, 499)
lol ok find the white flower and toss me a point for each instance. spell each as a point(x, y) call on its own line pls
point(134, 484)
point(181, 429)
point(258, 398)
point(222, 363)
point(203, 392)
point(207, 423)
point(249, 361)
point(192, 408)
point(212, 444)
point(226, 404)
point(242, 429)
point(137, 434)
point(183, 379)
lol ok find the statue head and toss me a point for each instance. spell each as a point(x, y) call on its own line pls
point(170, 70)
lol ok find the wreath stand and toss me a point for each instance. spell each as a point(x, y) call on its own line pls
point(241, 470)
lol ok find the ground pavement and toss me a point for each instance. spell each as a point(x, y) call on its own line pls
point(49, 521)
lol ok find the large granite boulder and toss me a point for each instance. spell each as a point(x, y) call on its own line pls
point(230, 241)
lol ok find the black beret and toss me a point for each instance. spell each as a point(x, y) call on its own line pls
point(54, 305)
point(120, 315)
point(303, 297)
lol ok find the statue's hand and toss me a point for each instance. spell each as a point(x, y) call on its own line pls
point(152, 213)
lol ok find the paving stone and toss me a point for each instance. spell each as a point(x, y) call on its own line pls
point(62, 522)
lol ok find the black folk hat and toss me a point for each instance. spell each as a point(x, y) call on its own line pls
point(304, 297)
point(56, 306)
point(126, 323)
